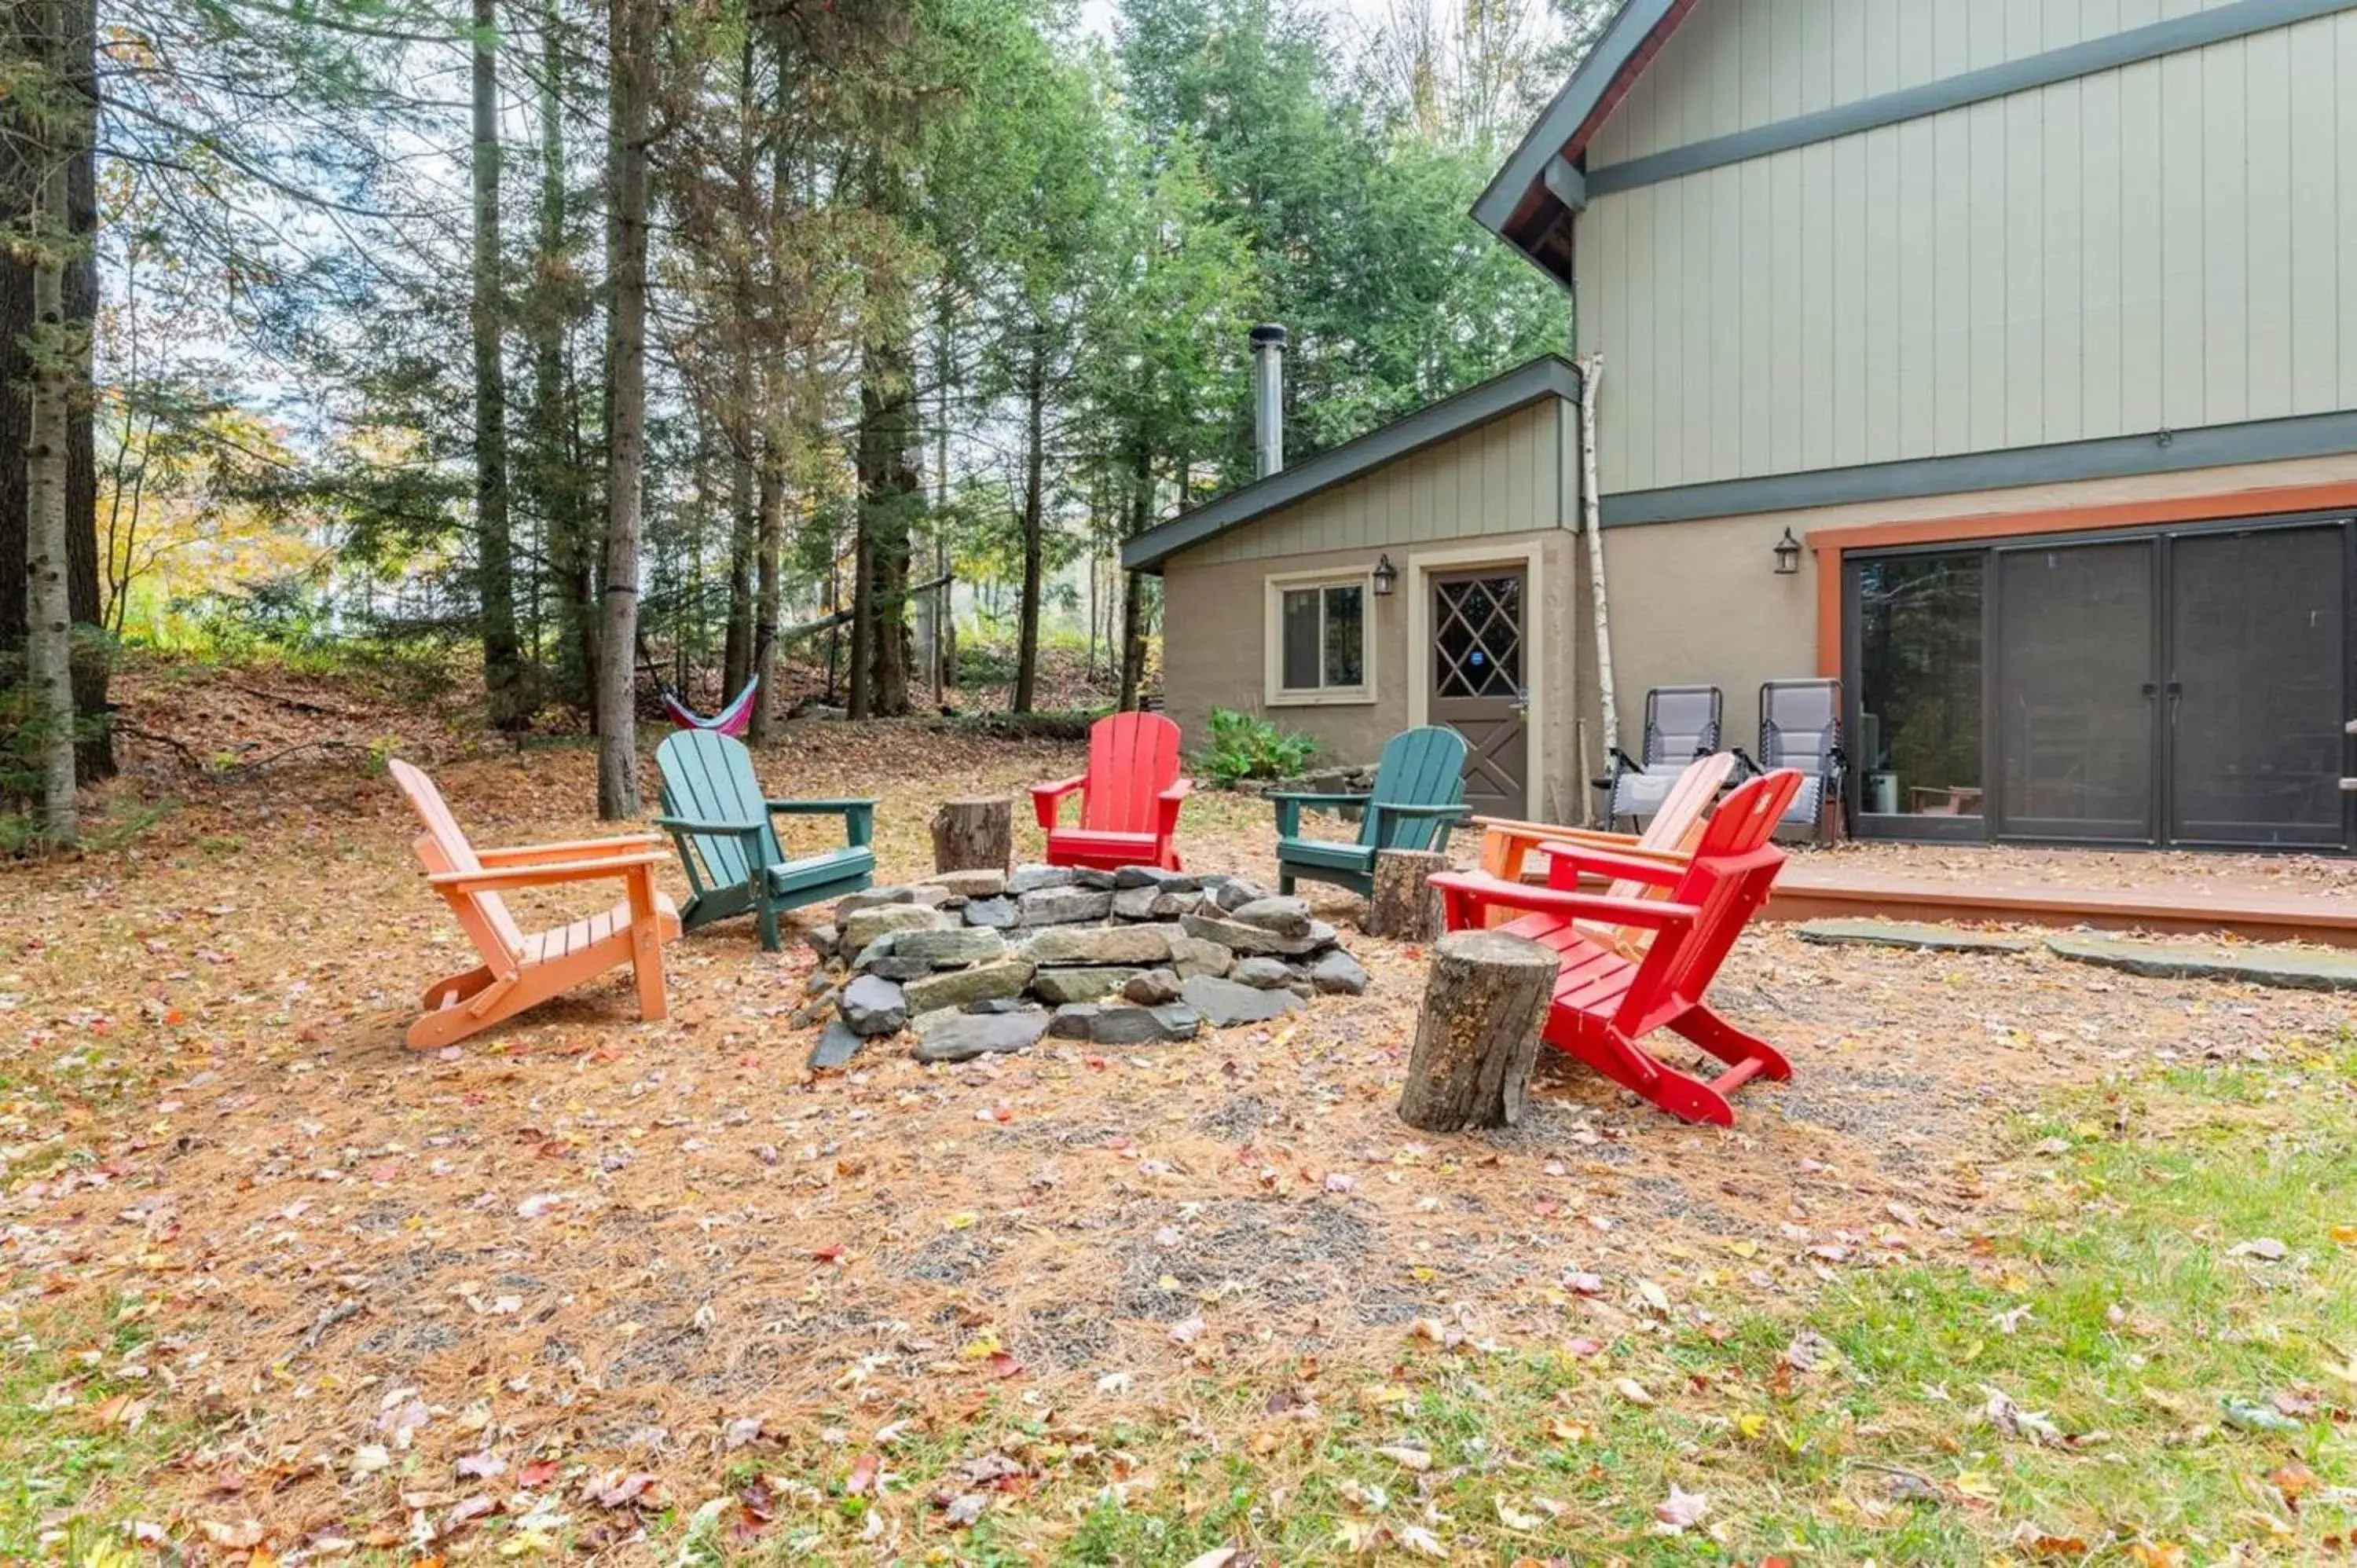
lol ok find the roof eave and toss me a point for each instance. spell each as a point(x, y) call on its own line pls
point(1550, 375)
point(1518, 205)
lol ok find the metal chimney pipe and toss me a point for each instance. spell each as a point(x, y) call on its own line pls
point(1268, 341)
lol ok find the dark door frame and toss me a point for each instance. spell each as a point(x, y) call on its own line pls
point(1983, 829)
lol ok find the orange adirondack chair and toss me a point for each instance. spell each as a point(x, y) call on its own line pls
point(1606, 1000)
point(1129, 797)
point(519, 971)
point(1506, 846)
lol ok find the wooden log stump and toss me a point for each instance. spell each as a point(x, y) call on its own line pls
point(1478, 1035)
point(975, 833)
point(1404, 906)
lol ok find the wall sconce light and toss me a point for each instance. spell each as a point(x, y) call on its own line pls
point(1788, 556)
point(1386, 577)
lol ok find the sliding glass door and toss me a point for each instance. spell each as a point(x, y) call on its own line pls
point(2189, 686)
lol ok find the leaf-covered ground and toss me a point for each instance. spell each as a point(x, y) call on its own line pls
point(1973, 1283)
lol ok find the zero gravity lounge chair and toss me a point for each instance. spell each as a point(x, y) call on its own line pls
point(1799, 728)
point(1681, 724)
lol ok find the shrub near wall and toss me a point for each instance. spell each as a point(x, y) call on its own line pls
point(1244, 746)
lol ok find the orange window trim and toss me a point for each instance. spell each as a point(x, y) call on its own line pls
point(1831, 545)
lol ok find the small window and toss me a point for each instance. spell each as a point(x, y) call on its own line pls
point(1324, 631)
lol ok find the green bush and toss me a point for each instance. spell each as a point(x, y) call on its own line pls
point(1245, 745)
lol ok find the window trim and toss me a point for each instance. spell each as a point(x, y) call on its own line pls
point(1275, 694)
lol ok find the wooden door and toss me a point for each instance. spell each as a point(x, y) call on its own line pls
point(1476, 669)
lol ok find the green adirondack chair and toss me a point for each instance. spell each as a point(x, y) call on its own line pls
point(719, 822)
point(1419, 795)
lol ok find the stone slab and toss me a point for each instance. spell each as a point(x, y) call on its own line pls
point(961, 1036)
point(2289, 969)
point(1911, 936)
point(1225, 1002)
point(957, 987)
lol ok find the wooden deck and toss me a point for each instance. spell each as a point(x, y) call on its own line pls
point(1813, 888)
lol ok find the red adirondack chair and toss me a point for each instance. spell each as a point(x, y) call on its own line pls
point(1129, 797)
point(1605, 1000)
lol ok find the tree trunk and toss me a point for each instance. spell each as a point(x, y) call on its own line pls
point(890, 498)
point(25, 33)
point(1132, 598)
point(555, 473)
point(506, 683)
point(975, 834)
point(737, 643)
point(769, 549)
point(1476, 1036)
point(1035, 544)
point(1404, 907)
point(48, 615)
point(631, 40)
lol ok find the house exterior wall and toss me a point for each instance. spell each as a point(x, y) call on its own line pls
point(1515, 474)
point(2124, 253)
point(1699, 601)
point(1737, 67)
point(1214, 650)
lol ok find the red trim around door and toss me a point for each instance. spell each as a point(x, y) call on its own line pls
point(1830, 545)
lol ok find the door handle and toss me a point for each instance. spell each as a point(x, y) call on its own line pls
point(2150, 691)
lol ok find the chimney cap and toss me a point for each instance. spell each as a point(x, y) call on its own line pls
point(1268, 335)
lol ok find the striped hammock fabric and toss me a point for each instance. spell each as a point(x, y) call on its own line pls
point(730, 720)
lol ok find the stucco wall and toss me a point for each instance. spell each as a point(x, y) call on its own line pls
point(1701, 602)
point(1215, 642)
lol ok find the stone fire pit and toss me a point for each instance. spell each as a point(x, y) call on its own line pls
point(976, 961)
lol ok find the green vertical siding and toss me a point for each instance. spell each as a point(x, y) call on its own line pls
point(2166, 245)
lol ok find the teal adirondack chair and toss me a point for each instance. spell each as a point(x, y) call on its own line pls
point(1419, 795)
point(719, 822)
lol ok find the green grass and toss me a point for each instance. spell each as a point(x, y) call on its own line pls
point(2116, 1311)
point(69, 1477)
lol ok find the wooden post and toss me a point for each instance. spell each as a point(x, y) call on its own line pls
point(1404, 906)
point(975, 833)
point(1478, 1034)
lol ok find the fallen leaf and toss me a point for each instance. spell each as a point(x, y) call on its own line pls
point(1406, 1458)
point(1418, 1539)
point(1218, 1557)
point(1186, 1330)
point(1680, 1511)
point(2265, 1247)
point(2293, 1480)
point(1632, 1390)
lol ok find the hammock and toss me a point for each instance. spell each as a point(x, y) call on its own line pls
point(730, 720)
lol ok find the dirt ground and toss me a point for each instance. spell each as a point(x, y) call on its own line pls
point(583, 1241)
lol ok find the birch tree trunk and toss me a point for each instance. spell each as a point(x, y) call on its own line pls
point(505, 683)
point(49, 613)
point(631, 39)
point(1591, 373)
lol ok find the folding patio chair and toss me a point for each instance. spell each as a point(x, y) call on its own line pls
point(1801, 728)
point(1681, 725)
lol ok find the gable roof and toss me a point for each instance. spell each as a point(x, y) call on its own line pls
point(1540, 185)
point(1549, 375)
